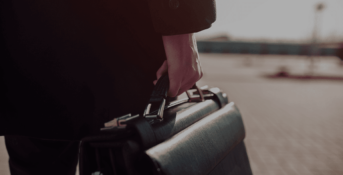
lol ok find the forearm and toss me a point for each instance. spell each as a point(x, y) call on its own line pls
point(178, 46)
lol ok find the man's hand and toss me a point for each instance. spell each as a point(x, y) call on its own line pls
point(182, 63)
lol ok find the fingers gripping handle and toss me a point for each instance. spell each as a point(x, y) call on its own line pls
point(158, 95)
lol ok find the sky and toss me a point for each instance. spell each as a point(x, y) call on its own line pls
point(277, 20)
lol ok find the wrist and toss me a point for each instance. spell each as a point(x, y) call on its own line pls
point(178, 46)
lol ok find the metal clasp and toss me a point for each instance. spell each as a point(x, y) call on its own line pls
point(119, 122)
point(199, 92)
point(160, 111)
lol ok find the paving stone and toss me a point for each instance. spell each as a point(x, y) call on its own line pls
point(293, 126)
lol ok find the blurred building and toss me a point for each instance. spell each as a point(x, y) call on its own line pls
point(222, 44)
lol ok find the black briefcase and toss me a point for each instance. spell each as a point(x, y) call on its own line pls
point(199, 134)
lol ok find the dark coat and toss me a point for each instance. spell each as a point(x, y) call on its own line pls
point(171, 17)
point(67, 66)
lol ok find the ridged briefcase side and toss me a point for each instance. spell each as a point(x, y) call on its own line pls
point(100, 153)
point(213, 145)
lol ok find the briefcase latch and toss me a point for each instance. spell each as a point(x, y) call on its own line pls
point(119, 122)
point(199, 92)
point(159, 114)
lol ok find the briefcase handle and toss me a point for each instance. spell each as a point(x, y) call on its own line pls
point(159, 96)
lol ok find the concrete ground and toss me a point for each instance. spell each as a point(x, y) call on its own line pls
point(294, 126)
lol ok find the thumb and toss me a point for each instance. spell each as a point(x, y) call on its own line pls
point(174, 85)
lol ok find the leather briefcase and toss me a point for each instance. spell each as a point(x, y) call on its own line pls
point(195, 135)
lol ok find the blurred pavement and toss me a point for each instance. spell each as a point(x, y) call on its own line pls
point(293, 126)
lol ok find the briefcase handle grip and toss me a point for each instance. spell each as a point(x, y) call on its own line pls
point(161, 89)
point(158, 96)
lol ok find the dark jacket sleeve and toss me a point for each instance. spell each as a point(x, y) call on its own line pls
point(172, 17)
point(64, 64)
